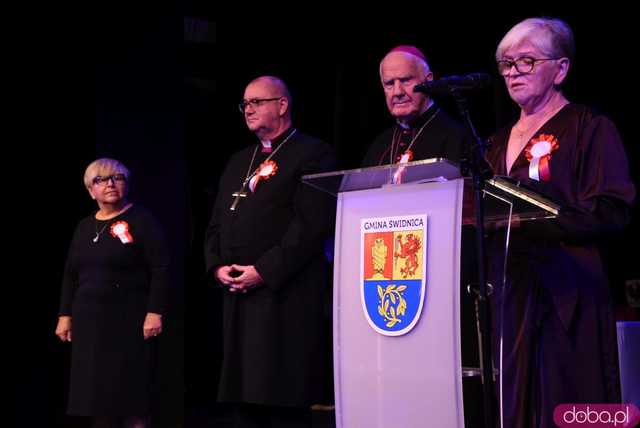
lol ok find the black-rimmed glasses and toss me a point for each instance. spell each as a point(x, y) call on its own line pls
point(102, 181)
point(254, 102)
point(524, 64)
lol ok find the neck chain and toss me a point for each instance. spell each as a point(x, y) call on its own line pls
point(101, 230)
point(117, 213)
point(536, 124)
point(395, 140)
point(242, 192)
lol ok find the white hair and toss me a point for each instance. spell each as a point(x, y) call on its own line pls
point(421, 63)
point(551, 35)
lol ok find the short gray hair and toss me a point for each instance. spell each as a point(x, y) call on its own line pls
point(552, 36)
point(104, 166)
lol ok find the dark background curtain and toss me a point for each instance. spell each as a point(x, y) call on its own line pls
point(157, 87)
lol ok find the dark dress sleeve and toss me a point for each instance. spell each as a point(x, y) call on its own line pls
point(604, 191)
point(70, 279)
point(156, 257)
point(312, 223)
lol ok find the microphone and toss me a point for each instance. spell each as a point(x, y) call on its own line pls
point(446, 85)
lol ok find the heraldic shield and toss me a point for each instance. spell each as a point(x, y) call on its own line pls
point(393, 272)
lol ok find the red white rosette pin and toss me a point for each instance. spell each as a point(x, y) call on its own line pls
point(538, 152)
point(265, 171)
point(406, 157)
point(120, 230)
point(403, 159)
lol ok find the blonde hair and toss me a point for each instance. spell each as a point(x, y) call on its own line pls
point(551, 35)
point(104, 166)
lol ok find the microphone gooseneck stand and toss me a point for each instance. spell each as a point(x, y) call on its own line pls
point(480, 171)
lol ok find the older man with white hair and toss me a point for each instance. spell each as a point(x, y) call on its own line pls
point(422, 129)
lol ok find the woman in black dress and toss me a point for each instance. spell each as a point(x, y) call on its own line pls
point(113, 296)
point(555, 311)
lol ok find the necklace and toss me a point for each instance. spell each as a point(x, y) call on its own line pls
point(242, 193)
point(534, 124)
point(396, 137)
point(117, 213)
point(101, 230)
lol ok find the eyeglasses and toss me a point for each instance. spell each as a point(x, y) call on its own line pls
point(524, 64)
point(102, 181)
point(254, 102)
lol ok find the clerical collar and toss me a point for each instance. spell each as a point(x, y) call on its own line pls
point(269, 145)
point(266, 146)
point(420, 120)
